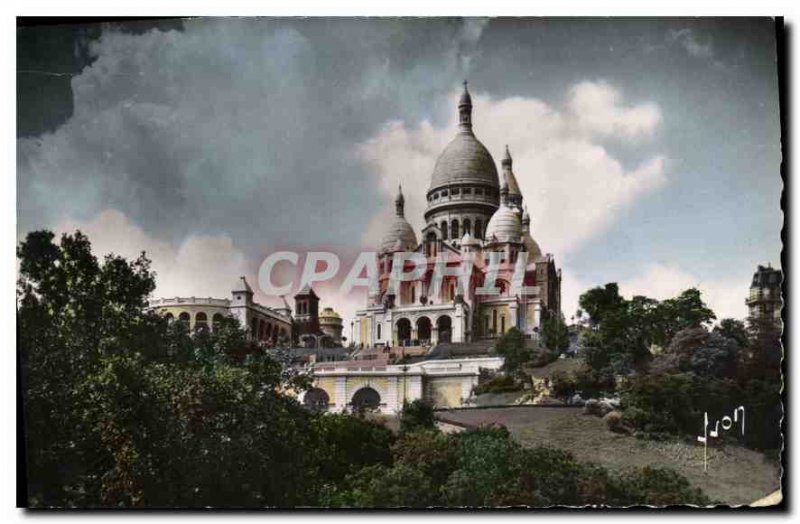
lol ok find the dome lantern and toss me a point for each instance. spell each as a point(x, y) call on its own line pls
point(465, 110)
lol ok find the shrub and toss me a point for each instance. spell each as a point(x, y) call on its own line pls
point(498, 384)
point(563, 385)
point(660, 487)
point(615, 422)
point(416, 415)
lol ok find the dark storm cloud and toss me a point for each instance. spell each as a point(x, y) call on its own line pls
point(237, 126)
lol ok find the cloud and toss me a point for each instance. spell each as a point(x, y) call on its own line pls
point(202, 266)
point(687, 39)
point(237, 126)
point(573, 186)
point(596, 108)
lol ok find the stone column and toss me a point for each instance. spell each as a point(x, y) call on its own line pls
point(341, 399)
point(513, 314)
point(394, 401)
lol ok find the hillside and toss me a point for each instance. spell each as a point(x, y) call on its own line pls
point(736, 475)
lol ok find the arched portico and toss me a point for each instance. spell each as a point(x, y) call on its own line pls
point(316, 399)
point(366, 398)
point(403, 332)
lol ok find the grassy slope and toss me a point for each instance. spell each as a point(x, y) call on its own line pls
point(736, 475)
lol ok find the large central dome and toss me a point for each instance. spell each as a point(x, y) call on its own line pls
point(464, 160)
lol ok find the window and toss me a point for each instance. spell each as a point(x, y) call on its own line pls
point(455, 191)
point(494, 320)
point(503, 324)
point(378, 327)
point(454, 230)
point(443, 227)
point(478, 191)
point(467, 190)
point(444, 193)
point(478, 229)
point(467, 226)
point(413, 294)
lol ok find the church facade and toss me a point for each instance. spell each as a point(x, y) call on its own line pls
point(473, 213)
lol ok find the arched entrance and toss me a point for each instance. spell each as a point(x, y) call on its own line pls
point(366, 399)
point(316, 399)
point(424, 330)
point(445, 327)
point(404, 332)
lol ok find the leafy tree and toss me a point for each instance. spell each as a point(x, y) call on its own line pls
point(123, 409)
point(563, 385)
point(624, 331)
point(512, 347)
point(733, 329)
point(417, 414)
point(345, 444)
point(555, 335)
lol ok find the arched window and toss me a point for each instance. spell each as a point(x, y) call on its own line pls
point(201, 322)
point(478, 229)
point(169, 317)
point(467, 226)
point(454, 230)
point(216, 321)
point(443, 227)
point(184, 318)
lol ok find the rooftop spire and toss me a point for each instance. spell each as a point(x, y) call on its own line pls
point(504, 191)
point(399, 202)
point(507, 158)
point(465, 110)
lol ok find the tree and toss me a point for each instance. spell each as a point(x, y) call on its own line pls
point(513, 349)
point(563, 385)
point(417, 414)
point(733, 329)
point(555, 334)
point(123, 409)
point(624, 331)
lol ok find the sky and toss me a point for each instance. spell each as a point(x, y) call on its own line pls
point(647, 150)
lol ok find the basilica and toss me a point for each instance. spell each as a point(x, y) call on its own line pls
point(471, 212)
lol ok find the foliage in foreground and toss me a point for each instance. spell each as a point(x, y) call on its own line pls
point(123, 409)
point(485, 467)
point(695, 371)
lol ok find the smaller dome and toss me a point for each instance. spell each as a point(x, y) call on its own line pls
point(399, 236)
point(504, 225)
point(329, 316)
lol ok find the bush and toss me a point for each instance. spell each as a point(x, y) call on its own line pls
point(498, 384)
point(416, 415)
point(616, 422)
point(563, 385)
point(660, 487)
